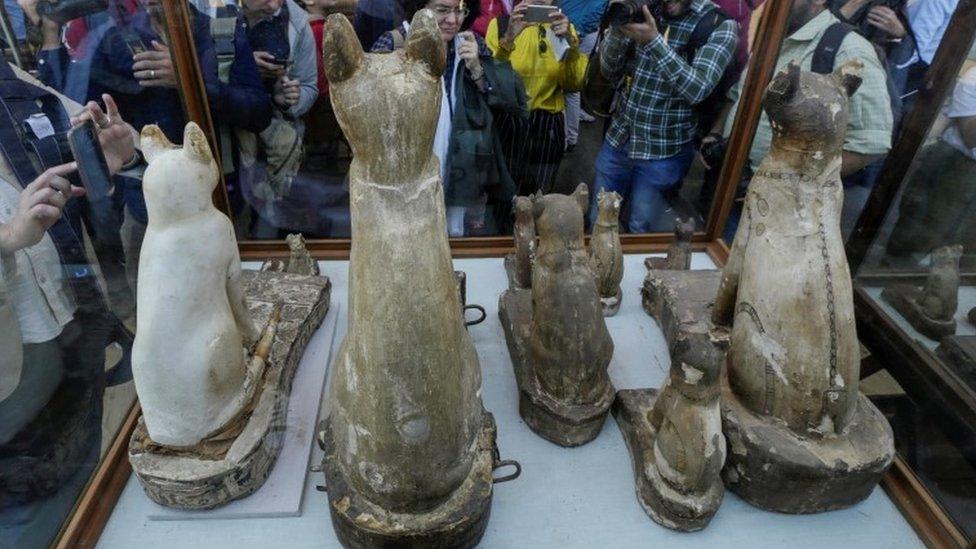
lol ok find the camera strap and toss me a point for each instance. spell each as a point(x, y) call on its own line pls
point(32, 120)
point(21, 101)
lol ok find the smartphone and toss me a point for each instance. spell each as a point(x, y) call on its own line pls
point(92, 166)
point(134, 43)
point(535, 13)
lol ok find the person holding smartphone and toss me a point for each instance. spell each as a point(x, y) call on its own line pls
point(544, 50)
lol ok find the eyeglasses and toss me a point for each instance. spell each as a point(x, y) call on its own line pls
point(543, 46)
point(443, 12)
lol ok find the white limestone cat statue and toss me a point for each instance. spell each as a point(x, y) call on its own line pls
point(189, 359)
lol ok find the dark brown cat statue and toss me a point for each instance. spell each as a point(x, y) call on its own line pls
point(556, 334)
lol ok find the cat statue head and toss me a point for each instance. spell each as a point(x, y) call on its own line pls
point(387, 104)
point(947, 256)
point(808, 111)
point(559, 217)
point(179, 181)
point(608, 208)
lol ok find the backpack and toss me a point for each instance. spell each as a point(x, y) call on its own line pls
point(825, 56)
point(709, 109)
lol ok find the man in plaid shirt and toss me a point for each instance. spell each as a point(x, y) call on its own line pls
point(648, 148)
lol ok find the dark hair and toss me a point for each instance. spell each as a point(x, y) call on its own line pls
point(411, 7)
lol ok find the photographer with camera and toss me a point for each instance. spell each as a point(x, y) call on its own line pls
point(649, 146)
point(284, 50)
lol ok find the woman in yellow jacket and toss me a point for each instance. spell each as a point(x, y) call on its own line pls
point(547, 57)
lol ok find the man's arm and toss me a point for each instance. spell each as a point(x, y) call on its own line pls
point(869, 122)
point(854, 162)
point(613, 54)
point(305, 71)
point(695, 81)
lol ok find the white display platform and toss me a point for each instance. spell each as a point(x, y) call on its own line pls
point(281, 493)
point(566, 498)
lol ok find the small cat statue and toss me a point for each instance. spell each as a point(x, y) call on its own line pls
point(606, 253)
point(188, 358)
point(931, 308)
point(940, 295)
point(525, 242)
point(570, 347)
point(679, 250)
point(300, 261)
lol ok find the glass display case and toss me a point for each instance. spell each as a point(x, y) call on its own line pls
point(70, 248)
point(913, 260)
point(67, 302)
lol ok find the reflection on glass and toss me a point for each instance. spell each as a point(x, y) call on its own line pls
point(820, 39)
point(919, 271)
point(494, 142)
point(69, 244)
point(936, 447)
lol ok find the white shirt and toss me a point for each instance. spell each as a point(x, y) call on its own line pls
point(929, 20)
point(34, 280)
point(962, 105)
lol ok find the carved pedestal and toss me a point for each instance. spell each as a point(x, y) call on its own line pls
point(219, 472)
point(905, 299)
point(562, 424)
point(459, 521)
point(774, 469)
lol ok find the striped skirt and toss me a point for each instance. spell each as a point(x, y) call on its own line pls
point(533, 149)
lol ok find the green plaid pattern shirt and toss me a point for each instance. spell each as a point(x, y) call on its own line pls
point(657, 116)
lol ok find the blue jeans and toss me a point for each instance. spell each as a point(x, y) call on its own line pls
point(641, 183)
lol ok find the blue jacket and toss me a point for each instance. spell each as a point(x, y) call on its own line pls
point(584, 14)
point(243, 102)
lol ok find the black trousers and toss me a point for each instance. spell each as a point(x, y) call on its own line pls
point(533, 149)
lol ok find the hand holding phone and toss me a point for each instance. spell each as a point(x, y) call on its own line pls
point(538, 13)
point(92, 166)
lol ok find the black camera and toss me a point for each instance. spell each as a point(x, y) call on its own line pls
point(631, 11)
point(62, 11)
point(713, 152)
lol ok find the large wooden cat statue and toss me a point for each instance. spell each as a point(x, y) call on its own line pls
point(188, 359)
point(802, 439)
point(408, 443)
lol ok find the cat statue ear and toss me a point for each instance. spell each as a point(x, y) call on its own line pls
point(582, 196)
point(153, 142)
point(425, 44)
point(342, 53)
point(196, 145)
point(848, 75)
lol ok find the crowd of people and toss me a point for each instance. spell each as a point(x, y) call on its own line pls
point(510, 104)
point(510, 113)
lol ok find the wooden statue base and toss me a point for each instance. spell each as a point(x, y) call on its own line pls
point(773, 468)
point(904, 298)
point(562, 424)
point(460, 521)
point(189, 480)
point(667, 506)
